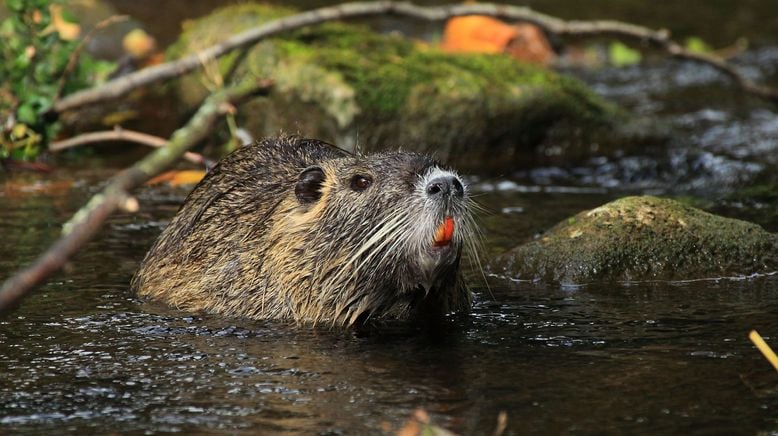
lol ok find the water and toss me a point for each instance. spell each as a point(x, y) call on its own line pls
point(83, 355)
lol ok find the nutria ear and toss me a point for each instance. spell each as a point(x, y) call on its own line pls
point(308, 187)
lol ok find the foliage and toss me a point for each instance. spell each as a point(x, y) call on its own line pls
point(622, 55)
point(696, 44)
point(39, 38)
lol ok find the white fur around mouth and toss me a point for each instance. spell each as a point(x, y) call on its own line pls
point(433, 263)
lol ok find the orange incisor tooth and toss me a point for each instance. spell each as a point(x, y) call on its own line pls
point(445, 231)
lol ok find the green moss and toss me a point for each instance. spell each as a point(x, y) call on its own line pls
point(641, 238)
point(222, 24)
point(385, 71)
point(344, 83)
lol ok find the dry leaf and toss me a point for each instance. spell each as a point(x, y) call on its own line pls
point(67, 30)
point(138, 44)
point(481, 34)
point(178, 177)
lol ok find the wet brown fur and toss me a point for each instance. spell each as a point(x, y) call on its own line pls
point(242, 244)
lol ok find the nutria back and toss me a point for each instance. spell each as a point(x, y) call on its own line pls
point(298, 229)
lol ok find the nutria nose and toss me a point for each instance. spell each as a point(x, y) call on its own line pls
point(445, 186)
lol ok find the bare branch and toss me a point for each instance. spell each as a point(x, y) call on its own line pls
point(657, 39)
point(761, 91)
point(86, 222)
point(119, 134)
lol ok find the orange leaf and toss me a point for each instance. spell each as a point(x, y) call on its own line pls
point(477, 33)
point(178, 177)
point(138, 44)
point(481, 34)
point(67, 31)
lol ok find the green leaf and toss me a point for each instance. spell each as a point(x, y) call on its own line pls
point(25, 113)
point(43, 102)
point(6, 27)
point(42, 72)
point(621, 55)
point(68, 16)
point(33, 81)
point(19, 130)
point(696, 44)
point(15, 5)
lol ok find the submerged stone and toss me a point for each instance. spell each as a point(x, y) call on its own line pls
point(643, 238)
point(347, 84)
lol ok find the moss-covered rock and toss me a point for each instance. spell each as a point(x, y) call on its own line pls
point(644, 238)
point(347, 84)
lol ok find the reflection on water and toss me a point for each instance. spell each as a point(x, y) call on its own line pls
point(83, 354)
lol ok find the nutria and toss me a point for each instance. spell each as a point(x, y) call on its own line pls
point(299, 229)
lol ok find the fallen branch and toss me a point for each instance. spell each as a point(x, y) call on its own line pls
point(656, 39)
point(119, 134)
point(86, 222)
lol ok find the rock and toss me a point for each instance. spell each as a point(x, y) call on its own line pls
point(347, 84)
point(643, 238)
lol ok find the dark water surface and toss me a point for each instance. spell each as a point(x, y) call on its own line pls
point(654, 358)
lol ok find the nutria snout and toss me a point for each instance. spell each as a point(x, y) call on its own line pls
point(298, 229)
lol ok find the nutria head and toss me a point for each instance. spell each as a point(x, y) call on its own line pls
point(308, 232)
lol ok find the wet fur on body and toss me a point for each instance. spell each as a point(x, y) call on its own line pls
point(284, 229)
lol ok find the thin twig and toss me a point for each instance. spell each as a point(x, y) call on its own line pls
point(86, 222)
point(120, 134)
point(656, 39)
point(760, 344)
point(73, 59)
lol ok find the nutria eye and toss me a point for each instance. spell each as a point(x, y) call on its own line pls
point(360, 183)
point(308, 187)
